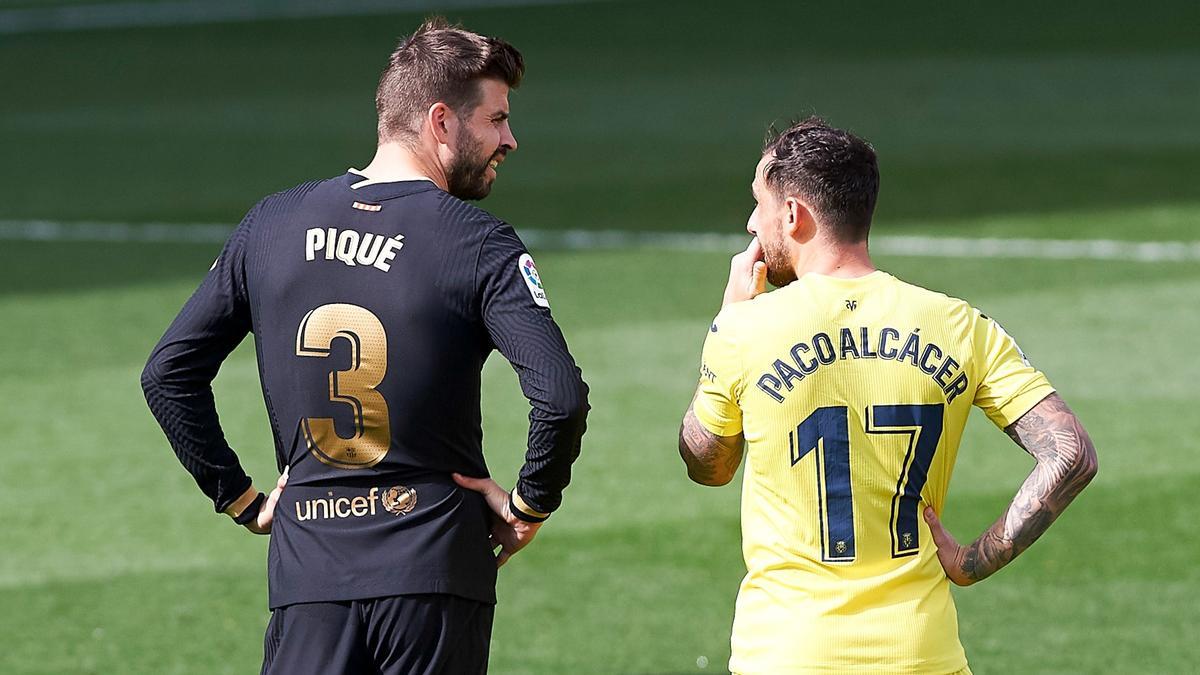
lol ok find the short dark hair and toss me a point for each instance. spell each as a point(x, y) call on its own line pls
point(440, 62)
point(834, 170)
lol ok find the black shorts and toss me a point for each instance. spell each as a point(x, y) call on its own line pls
point(427, 634)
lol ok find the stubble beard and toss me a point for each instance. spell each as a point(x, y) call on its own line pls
point(780, 272)
point(466, 177)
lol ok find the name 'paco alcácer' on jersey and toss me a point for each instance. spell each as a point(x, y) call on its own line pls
point(852, 395)
point(945, 370)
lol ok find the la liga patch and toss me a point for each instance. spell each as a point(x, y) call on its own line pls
point(532, 279)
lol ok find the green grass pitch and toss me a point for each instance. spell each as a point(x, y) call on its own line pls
point(1024, 122)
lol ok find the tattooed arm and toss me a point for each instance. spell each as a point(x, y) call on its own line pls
point(711, 459)
point(1066, 463)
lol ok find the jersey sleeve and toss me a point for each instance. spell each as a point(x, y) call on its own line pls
point(716, 404)
point(516, 315)
point(177, 379)
point(1008, 385)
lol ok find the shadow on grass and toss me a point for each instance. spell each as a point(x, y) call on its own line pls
point(47, 267)
point(654, 597)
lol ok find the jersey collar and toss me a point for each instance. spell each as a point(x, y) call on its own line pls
point(376, 191)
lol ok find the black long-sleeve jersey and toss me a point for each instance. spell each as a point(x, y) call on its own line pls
point(374, 307)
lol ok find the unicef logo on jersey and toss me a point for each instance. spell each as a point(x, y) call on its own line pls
point(532, 279)
point(399, 500)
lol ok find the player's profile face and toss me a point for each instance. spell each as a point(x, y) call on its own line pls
point(482, 141)
point(766, 223)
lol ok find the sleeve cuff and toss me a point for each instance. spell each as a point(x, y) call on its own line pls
point(710, 421)
point(239, 505)
point(523, 511)
point(1016, 407)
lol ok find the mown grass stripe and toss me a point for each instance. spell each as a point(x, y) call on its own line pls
point(187, 12)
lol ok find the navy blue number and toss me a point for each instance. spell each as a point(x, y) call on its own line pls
point(923, 426)
point(827, 432)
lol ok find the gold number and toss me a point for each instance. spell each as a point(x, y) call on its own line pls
point(354, 387)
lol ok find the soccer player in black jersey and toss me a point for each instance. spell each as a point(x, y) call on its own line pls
point(374, 298)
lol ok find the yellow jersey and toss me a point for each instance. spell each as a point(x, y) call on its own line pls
point(852, 395)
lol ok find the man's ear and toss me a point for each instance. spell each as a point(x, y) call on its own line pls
point(441, 121)
point(799, 223)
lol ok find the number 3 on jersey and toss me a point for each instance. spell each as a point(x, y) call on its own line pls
point(354, 387)
point(827, 432)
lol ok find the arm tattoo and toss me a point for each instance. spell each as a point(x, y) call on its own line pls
point(710, 459)
point(1066, 463)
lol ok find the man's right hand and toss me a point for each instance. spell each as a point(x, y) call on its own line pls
point(747, 274)
point(509, 533)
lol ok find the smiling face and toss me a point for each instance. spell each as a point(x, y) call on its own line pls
point(482, 141)
point(766, 222)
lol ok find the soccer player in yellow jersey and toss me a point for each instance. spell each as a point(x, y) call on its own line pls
point(847, 391)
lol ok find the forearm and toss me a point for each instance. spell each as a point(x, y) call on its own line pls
point(555, 436)
point(177, 380)
point(1066, 463)
point(710, 459)
point(188, 417)
point(527, 336)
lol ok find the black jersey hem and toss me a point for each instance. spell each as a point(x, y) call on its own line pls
point(377, 590)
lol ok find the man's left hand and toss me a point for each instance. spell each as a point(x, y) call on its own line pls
point(950, 554)
point(266, 515)
point(509, 533)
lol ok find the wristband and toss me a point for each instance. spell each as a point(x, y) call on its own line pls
point(238, 506)
point(249, 513)
point(523, 511)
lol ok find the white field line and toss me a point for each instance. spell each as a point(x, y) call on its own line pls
point(186, 12)
point(896, 245)
point(51, 231)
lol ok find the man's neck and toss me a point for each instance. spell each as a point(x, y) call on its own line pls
point(836, 260)
point(395, 161)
